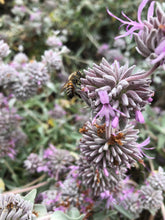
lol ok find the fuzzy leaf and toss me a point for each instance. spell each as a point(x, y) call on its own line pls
point(73, 214)
point(123, 211)
point(40, 210)
point(31, 195)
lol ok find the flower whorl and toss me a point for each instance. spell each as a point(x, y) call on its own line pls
point(15, 207)
point(150, 198)
point(157, 179)
point(8, 75)
point(125, 97)
point(99, 179)
point(150, 41)
point(37, 72)
point(32, 162)
point(24, 88)
point(132, 204)
point(118, 148)
point(4, 49)
point(57, 161)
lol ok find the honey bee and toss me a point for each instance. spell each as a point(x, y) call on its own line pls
point(72, 85)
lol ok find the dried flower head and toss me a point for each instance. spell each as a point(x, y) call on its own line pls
point(15, 207)
point(115, 93)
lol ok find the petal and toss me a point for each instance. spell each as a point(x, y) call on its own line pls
point(119, 19)
point(115, 122)
point(144, 143)
point(150, 10)
point(140, 9)
point(160, 48)
point(139, 117)
point(104, 98)
point(159, 58)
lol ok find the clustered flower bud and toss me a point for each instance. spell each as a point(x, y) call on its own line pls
point(8, 76)
point(70, 192)
point(150, 41)
point(132, 204)
point(50, 198)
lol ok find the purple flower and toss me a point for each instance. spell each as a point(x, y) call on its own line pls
point(4, 49)
point(32, 163)
point(115, 147)
point(135, 25)
point(94, 177)
point(139, 117)
point(160, 52)
point(106, 109)
point(114, 93)
point(57, 162)
point(15, 207)
point(110, 200)
point(142, 147)
point(150, 198)
point(157, 179)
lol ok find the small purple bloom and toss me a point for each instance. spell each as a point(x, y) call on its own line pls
point(107, 111)
point(142, 147)
point(160, 51)
point(135, 25)
point(139, 117)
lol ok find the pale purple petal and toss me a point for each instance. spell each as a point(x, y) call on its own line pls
point(140, 9)
point(144, 143)
point(160, 48)
point(150, 10)
point(106, 172)
point(115, 122)
point(139, 117)
point(159, 58)
point(119, 19)
point(104, 98)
